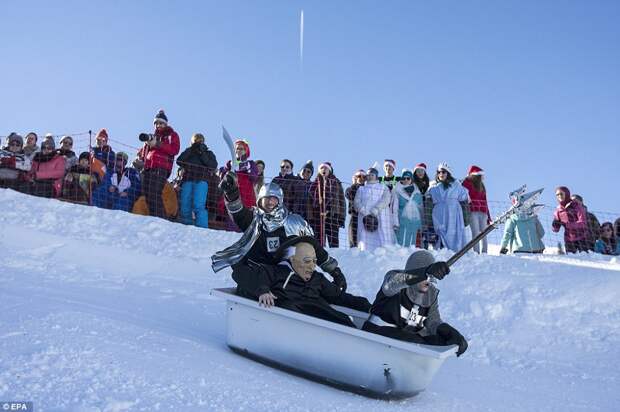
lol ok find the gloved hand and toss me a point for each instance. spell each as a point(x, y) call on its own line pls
point(228, 185)
point(198, 147)
point(339, 280)
point(438, 270)
point(503, 251)
point(556, 224)
point(416, 278)
point(452, 337)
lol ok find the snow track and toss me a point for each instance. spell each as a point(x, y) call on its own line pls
point(108, 311)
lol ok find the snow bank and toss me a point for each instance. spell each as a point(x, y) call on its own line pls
point(107, 311)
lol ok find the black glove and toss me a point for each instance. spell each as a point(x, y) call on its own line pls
point(339, 280)
point(438, 269)
point(503, 251)
point(414, 278)
point(452, 337)
point(228, 185)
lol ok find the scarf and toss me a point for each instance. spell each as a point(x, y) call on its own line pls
point(123, 183)
point(279, 217)
point(411, 210)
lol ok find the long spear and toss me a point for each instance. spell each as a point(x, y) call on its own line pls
point(521, 203)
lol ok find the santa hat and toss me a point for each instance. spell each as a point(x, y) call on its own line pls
point(475, 170)
point(420, 166)
point(245, 145)
point(390, 162)
point(161, 117)
point(103, 133)
point(444, 166)
point(328, 165)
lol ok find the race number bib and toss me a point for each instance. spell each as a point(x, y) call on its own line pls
point(413, 317)
point(273, 243)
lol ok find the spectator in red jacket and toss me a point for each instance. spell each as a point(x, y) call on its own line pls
point(572, 216)
point(247, 176)
point(48, 170)
point(158, 155)
point(480, 216)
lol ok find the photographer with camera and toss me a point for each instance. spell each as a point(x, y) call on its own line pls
point(198, 164)
point(158, 156)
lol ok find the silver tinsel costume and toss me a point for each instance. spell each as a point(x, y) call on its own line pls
point(293, 224)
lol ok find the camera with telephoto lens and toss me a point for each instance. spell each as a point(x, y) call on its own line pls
point(146, 137)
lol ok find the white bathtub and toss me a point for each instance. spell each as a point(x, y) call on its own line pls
point(338, 355)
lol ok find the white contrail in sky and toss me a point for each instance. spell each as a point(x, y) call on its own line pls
point(301, 39)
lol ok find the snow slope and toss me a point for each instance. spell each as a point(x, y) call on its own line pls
point(107, 311)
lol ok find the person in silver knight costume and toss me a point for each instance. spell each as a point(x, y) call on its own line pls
point(265, 228)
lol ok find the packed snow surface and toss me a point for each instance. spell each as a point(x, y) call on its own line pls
point(108, 311)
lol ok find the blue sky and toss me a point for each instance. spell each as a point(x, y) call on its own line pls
point(527, 90)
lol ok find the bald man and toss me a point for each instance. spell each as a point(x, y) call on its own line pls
point(294, 284)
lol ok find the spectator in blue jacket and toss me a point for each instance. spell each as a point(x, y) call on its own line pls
point(523, 233)
point(607, 243)
point(103, 151)
point(120, 188)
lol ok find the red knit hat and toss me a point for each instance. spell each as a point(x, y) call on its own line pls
point(245, 145)
point(475, 170)
point(102, 133)
point(420, 166)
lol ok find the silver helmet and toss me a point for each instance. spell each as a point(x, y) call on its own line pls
point(270, 189)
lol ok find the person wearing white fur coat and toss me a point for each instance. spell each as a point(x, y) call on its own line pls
point(374, 199)
point(407, 210)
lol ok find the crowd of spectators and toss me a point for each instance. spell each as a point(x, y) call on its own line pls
point(409, 209)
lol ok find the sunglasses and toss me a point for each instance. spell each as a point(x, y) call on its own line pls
point(405, 178)
point(285, 167)
point(441, 172)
